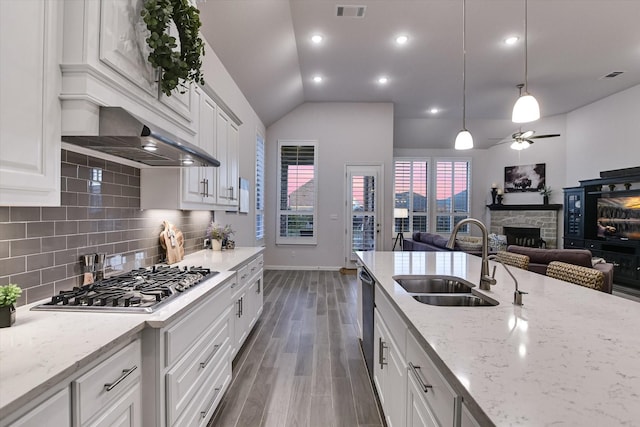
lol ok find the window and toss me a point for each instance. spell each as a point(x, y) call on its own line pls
point(297, 202)
point(452, 194)
point(440, 193)
point(259, 188)
point(410, 189)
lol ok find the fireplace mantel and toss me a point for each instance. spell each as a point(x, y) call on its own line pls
point(549, 207)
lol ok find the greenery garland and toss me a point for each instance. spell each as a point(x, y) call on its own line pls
point(178, 66)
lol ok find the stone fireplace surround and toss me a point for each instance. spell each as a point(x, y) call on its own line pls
point(544, 217)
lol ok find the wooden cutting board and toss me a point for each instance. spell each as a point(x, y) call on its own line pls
point(172, 241)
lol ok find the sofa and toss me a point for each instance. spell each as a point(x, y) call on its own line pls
point(539, 259)
point(430, 242)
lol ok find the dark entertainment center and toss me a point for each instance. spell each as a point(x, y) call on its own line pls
point(603, 215)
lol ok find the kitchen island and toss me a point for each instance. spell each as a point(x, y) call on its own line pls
point(569, 356)
point(45, 348)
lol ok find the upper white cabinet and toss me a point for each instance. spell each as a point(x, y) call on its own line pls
point(227, 153)
point(104, 63)
point(199, 187)
point(29, 106)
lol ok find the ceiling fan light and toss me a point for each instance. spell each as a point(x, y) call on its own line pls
point(464, 140)
point(520, 145)
point(526, 109)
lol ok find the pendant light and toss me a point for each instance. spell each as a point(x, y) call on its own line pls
point(464, 140)
point(526, 108)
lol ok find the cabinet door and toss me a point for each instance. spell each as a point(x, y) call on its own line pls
point(418, 412)
point(54, 411)
point(232, 163)
point(380, 338)
point(222, 135)
point(124, 412)
point(574, 213)
point(29, 105)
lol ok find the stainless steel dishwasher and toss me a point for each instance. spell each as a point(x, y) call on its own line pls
point(368, 303)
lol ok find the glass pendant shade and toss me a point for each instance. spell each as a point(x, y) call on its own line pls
point(464, 140)
point(526, 109)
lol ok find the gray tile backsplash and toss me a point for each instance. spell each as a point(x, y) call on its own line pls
point(40, 247)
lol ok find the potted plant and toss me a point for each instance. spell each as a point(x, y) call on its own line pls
point(218, 234)
point(546, 192)
point(8, 296)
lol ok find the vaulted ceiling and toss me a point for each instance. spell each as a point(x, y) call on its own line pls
point(266, 46)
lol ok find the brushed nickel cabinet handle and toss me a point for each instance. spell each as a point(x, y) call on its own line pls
point(125, 374)
point(213, 353)
point(215, 394)
point(381, 347)
point(425, 386)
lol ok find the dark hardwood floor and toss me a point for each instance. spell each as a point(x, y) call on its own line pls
point(302, 365)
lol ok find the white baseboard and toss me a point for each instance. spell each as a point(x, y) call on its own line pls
point(302, 267)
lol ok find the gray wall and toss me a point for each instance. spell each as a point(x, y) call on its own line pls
point(40, 247)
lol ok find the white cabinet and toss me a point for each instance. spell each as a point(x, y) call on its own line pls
point(429, 393)
point(246, 301)
point(418, 412)
point(198, 187)
point(110, 393)
point(389, 373)
point(55, 411)
point(29, 105)
point(187, 363)
point(227, 154)
point(466, 419)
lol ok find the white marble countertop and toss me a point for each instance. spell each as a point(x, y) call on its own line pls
point(569, 356)
point(44, 347)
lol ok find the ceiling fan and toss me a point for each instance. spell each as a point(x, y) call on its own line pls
point(521, 140)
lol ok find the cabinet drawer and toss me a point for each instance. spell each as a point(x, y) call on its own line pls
point(592, 244)
point(573, 243)
point(255, 266)
point(181, 336)
point(201, 407)
point(54, 412)
point(439, 396)
point(243, 275)
point(186, 377)
point(392, 320)
point(96, 389)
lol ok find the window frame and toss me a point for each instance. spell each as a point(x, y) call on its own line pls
point(297, 240)
point(432, 188)
point(260, 189)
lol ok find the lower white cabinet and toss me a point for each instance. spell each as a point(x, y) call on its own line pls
point(55, 411)
point(418, 412)
point(389, 373)
point(110, 393)
point(466, 419)
point(246, 301)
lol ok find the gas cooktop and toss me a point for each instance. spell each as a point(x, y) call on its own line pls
point(139, 291)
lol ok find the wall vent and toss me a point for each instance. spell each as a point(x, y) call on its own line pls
point(350, 11)
point(611, 75)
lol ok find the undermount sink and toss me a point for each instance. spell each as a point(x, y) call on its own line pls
point(425, 284)
point(458, 300)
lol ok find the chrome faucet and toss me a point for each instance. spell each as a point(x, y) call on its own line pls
point(517, 295)
point(485, 279)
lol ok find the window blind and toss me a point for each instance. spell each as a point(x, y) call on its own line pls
point(259, 188)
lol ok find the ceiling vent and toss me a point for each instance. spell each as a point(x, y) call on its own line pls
point(611, 75)
point(350, 11)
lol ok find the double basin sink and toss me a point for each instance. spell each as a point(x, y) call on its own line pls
point(442, 291)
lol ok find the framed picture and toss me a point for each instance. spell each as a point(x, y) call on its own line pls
point(519, 179)
point(244, 196)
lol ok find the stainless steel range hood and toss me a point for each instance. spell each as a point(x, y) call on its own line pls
point(123, 135)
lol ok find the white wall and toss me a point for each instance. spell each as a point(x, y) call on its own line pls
point(221, 82)
point(346, 132)
point(603, 136)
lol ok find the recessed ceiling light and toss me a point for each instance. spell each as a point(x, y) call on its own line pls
point(511, 40)
point(434, 110)
point(187, 161)
point(316, 38)
point(150, 147)
point(402, 39)
point(383, 80)
point(317, 79)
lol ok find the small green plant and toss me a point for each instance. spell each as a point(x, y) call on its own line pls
point(218, 232)
point(178, 66)
point(546, 191)
point(9, 294)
